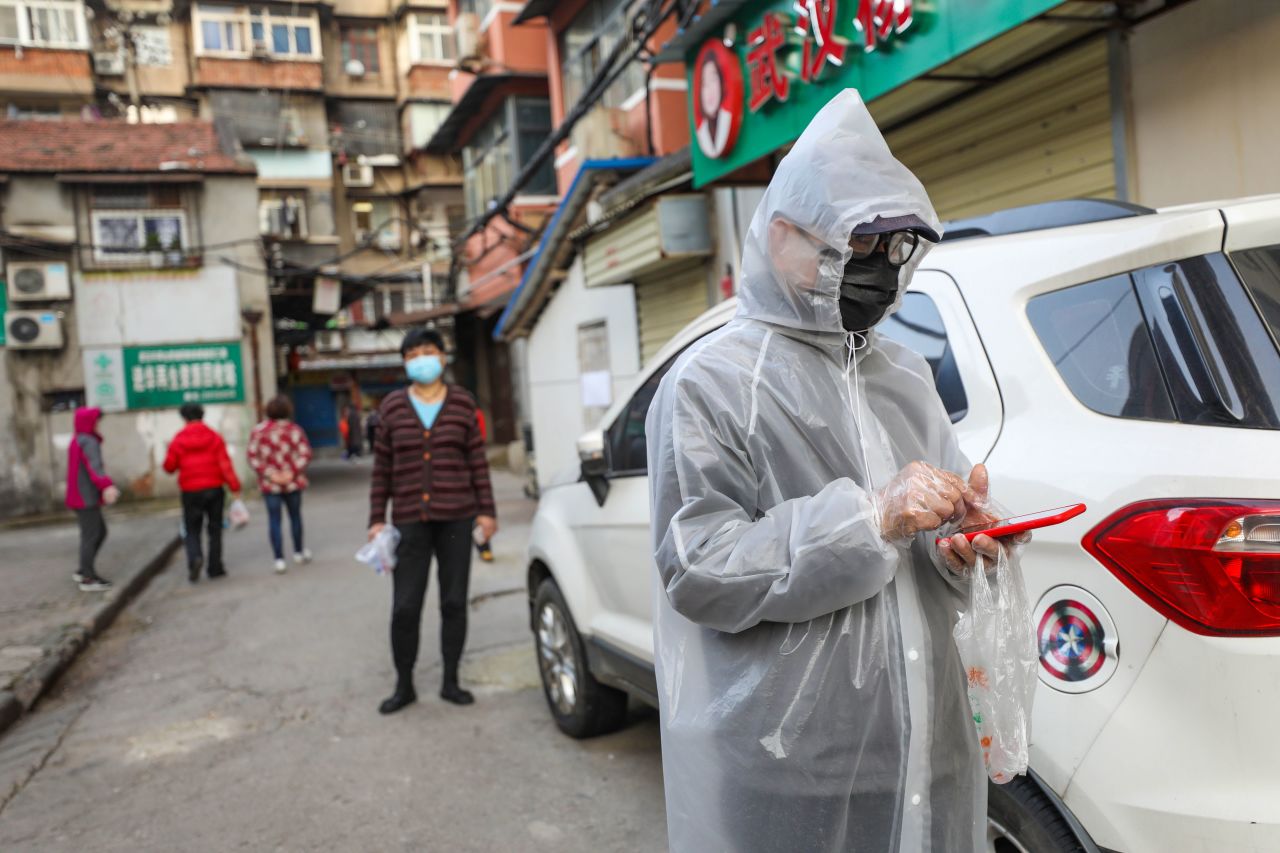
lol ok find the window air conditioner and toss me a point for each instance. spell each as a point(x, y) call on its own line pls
point(33, 330)
point(108, 64)
point(32, 281)
point(357, 175)
point(467, 31)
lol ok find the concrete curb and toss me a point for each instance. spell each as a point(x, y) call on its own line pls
point(18, 699)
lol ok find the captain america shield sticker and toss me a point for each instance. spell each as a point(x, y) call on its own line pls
point(1077, 640)
point(1071, 641)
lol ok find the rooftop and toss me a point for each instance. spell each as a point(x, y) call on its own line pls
point(117, 147)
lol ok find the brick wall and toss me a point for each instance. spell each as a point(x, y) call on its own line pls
point(40, 70)
point(429, 81)
point(258, 74)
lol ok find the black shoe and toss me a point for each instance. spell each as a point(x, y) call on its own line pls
point(455, 694)
point(193, 570)
point(215, 574)
point(403, 696)
point(95, 584)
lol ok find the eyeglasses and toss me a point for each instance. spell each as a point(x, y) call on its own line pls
point(899, 246)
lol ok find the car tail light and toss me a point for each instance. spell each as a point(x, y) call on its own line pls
point(1211, 566)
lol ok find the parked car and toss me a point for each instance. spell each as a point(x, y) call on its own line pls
point(1087, 351)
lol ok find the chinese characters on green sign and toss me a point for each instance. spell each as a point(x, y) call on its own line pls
point(755, 83)
point(157, 377)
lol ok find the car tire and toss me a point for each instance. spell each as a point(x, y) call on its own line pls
point(581, 706)
point(1022, 819)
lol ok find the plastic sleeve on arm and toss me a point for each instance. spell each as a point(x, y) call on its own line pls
point(726, 569)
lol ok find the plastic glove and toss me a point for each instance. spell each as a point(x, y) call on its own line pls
point(921, 497)
point(959, 553)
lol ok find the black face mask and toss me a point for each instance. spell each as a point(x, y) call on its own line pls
point(867, 291)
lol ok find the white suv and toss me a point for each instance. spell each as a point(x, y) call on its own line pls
point(1130, 362)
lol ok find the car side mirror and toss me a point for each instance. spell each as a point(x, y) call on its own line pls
point(595, 467)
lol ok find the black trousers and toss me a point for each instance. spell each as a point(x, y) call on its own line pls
point(450, 543)
point(93, 532)
point(199, 508)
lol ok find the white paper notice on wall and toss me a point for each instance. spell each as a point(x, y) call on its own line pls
point(597, 389)
point(327, 298)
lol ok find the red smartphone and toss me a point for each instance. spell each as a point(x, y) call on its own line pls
point(1019, 523)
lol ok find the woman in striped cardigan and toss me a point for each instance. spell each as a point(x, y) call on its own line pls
point(429, 465)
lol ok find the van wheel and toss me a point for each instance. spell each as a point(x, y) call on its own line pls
point(1021, 819)
point(581, 706)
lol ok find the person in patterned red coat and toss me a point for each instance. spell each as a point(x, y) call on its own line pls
point(279, 454)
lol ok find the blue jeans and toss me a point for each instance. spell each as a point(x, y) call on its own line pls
point(293, 502)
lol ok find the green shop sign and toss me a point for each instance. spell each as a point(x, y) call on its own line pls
point(756, 82)
point(158, 377)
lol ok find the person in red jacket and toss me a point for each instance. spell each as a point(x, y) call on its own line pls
point(199, 456)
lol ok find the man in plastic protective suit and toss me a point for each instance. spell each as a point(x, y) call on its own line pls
point(802, 469)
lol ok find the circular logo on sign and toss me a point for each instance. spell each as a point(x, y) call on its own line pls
point(717, 98)
point(1077, 640)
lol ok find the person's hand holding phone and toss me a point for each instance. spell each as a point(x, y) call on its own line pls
point(959, 552)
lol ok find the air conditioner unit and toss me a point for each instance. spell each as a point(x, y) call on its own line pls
point(108, 64)
point(33, 330)
point(329, 340)
point(467, 32)
point(357, 175)
point(32, 281)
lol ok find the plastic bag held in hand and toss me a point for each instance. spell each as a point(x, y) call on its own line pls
point(238, 514)
point(380, 553)
point(997, 646)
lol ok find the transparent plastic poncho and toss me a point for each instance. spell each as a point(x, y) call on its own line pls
point(811, 694)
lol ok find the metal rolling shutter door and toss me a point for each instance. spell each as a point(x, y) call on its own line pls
point(666, 302)
point(1044, 134)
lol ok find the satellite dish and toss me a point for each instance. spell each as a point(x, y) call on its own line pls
point(355, 68)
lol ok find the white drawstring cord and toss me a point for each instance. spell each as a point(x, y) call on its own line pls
point(852, 345)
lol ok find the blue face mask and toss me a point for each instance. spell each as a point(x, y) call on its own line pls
point(424, 369)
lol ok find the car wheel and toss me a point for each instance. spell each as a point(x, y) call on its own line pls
point(582, 707)
point(1021, 819)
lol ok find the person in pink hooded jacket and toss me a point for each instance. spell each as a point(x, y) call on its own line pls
point(88, 490)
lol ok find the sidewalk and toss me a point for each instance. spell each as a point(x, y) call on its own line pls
point(44, 619)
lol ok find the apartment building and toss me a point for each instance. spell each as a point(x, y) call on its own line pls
point(125, 250)
point(333, 103)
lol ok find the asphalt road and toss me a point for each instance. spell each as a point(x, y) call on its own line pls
point(242, 714)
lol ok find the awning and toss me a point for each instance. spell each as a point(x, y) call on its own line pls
point(353, 362)
point(534, 9)
point(698, 30)
point(446, 135)
point(553, 248)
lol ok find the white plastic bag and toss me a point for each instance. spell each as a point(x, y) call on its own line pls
point(380, 553)
point(238, 514)
point(997, 646)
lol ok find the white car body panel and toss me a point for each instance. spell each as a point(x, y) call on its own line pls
point(1176, 752)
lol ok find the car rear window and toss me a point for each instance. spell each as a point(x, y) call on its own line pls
point(1260, 269)
point(1096, 337)
point(1181, 341)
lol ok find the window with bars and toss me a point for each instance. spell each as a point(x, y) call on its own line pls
point(241, 31)
point(43, 23)
point(498, 151)
point(432, 38)
point(132, 223)
point(283, 215)
point(375, 223)
point(587, 42)
point(360, 43)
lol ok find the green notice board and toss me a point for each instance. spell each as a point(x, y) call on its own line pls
point(158, 377)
